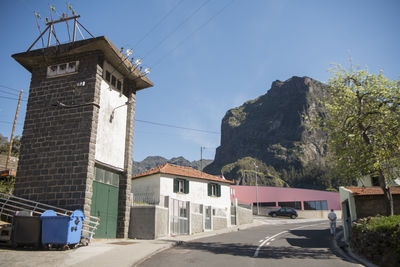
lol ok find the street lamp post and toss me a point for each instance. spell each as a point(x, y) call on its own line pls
point(255, 171)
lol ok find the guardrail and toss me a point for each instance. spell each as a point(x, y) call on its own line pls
point(9, 204)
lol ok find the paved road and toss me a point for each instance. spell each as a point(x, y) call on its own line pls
point(285, 243)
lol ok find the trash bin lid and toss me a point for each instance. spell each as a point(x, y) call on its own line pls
point(49, 213)
point(78, 213)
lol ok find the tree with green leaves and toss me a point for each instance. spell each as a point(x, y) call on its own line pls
point(362, 119)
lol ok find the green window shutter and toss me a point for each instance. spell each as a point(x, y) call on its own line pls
point(186, 186)
point(218, 190)
point(209, 189)
point(176, 185)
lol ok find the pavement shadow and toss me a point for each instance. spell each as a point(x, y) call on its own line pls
point(310, 238)
point(313, 244)
point(246, 250)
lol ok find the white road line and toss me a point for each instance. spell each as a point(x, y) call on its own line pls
point(261, 240)
point(272, 238)
point(265, 241)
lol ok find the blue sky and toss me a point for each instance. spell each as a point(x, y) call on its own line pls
point(208, 56)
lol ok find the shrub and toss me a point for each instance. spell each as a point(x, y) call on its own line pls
point(7, 184)
point(378, 239)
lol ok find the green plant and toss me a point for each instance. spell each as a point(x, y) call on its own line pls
point(378, 239)
point(361, 115)
point(7, 184)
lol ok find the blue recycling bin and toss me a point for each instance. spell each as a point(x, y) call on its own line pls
point(61, 230)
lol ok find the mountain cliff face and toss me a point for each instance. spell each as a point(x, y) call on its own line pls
point(270, 131)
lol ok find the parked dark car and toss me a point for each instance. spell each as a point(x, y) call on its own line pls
point(289, 212)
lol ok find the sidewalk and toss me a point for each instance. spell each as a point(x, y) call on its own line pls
point(104, 252)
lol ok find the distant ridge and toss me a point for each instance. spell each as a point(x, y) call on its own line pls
point(154, 161)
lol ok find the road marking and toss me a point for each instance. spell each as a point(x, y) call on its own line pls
point(261, 240)
point(272, 238)
point(265, 241)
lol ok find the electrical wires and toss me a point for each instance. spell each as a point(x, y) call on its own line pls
point(177, 127)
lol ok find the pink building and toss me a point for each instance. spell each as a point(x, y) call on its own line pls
point(302, 199)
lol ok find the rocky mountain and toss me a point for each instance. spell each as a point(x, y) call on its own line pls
point(154, 161)
point(270, 132)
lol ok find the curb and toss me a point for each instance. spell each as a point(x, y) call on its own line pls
point(167, 246)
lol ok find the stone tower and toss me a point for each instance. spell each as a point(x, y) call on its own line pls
point(76, 147)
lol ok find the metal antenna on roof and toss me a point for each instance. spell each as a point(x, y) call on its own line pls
point(51, 24)
point(37, 18)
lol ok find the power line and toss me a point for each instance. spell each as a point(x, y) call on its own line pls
point(192, 33)
point(176, 29)
point(10, 88)
point(177, 127)
point(9, 122)
point(5, 97)
point(159, 124)
point(6, 92)
point(158, 23)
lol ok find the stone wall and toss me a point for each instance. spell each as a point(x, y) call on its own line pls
point(124, 197)
point(148, 222)
point(58, 144)
point(142, 222)
point(373, 205)
point(196, 223)
point(219, 222)
point(162, 222)
point(244, 215)
point(317, 214)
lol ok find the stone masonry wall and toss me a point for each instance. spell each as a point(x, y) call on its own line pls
point(57, 148)
point(373, 205)
point(196, 223)
point(219, 222)
point(124, 197)
point(244, 215)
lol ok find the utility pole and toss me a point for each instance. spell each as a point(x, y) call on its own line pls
point(12, 132)
point(255, 171)
point(201, 158)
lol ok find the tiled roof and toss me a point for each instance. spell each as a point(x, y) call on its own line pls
point(181, 171)
point(363, 191)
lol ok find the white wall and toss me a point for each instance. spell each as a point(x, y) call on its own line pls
point(346, 194)
point(146, 185)
point(198, 192)
point(110, 141)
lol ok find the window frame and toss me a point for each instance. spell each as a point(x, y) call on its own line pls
point(181, 186)
point(214, 190)
point(62, 69)
point(110, 76)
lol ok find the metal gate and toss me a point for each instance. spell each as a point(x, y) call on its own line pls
point(207, 222)
point(105, 206)
point(179, 220)
point(105, 201)
point(233, 215)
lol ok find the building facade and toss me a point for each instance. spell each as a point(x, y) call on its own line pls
point(300, 199)
point(194, 201)
point(76, 147)
point(361, 202)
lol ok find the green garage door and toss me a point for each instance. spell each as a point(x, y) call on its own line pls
point(105, 202)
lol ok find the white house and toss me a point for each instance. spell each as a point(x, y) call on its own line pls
point(195, 201)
